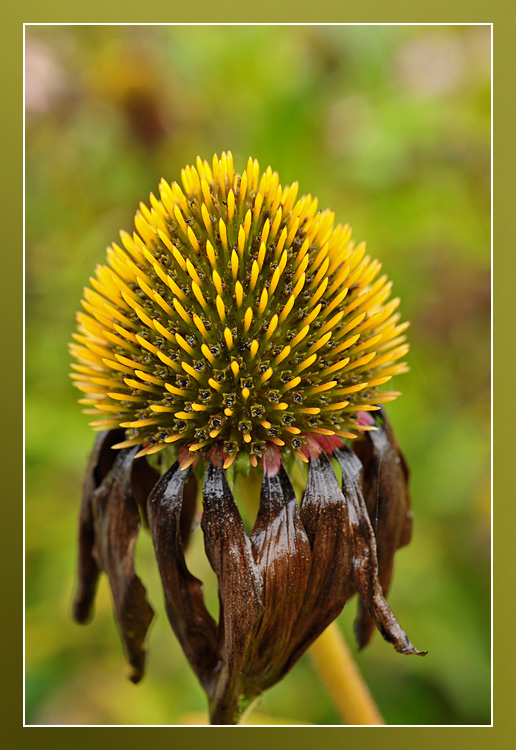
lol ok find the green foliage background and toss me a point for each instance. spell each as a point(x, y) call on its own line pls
point(390, 127)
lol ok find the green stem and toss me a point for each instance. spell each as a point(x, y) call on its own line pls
point(232, 711)
point(340, 675)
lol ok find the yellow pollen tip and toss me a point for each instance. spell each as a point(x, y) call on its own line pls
point(292, 384)
point(198, 295)
point(181, 310)
point(184, 344)
point(228, 461)
point(200, 326)
point(217, 282)
point(210, 252)
point(241, 241)
point(228, 338)
point(282, 355)
point(248, 319)
point(223, 234)
point(206, 351)
point(255, 270)
point(272, 327)
point(234, 265)
point(239, 294)
point(322, 387)
point(193, 239)
point(263, 302)
point(220, 308)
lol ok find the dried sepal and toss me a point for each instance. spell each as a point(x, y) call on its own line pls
point(229, 551)
point(189, 509)
point(99, 464)
point(143, 480)
point(116, 520)
point(282, 553)
point(364, 572)
point(193, 625)
point(323, 514)
point(386, 494)
point(279, 588)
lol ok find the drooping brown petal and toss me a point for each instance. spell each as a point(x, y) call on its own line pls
point(193, 625)
point(189, 508)
point(388, 504)
point(364, 574)
point(144, 477)
point(325, 518)
point(385, 480)
point(406, 524)
point(117, 523)
point(282, 553)
point(100, 462)
point(240, 591)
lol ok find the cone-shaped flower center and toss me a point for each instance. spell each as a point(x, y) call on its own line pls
point(236, 319)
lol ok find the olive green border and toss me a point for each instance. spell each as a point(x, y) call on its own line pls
point(268, 11)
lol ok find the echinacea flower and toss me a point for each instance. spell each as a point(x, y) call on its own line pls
point(238, 328)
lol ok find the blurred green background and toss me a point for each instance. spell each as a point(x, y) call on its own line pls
point(390, 127)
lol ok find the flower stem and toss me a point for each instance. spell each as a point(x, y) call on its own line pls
point(340, 675)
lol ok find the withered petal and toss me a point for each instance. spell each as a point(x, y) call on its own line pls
point(388, 504)
point(117, 523)
point(406, 525)
point(143, 479)
point(282, 553)
point(240, 590)
point(193, 625)
point(189, 508)
point(99, 464)
point(324, 517)
point(364, 573)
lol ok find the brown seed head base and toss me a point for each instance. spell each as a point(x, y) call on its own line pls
point(237, 318)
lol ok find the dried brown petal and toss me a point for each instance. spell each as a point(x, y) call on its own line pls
point(189, 508)
point(364, 573)
point(282, 553)
point(100, 462)
point(240, 591)
point(325, 518)
point(388, 503)
point(190, 620)
point(143, 477)
point(117, 523)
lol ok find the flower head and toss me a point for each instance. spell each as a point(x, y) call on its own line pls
point(238, 323)
point(236, 320)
